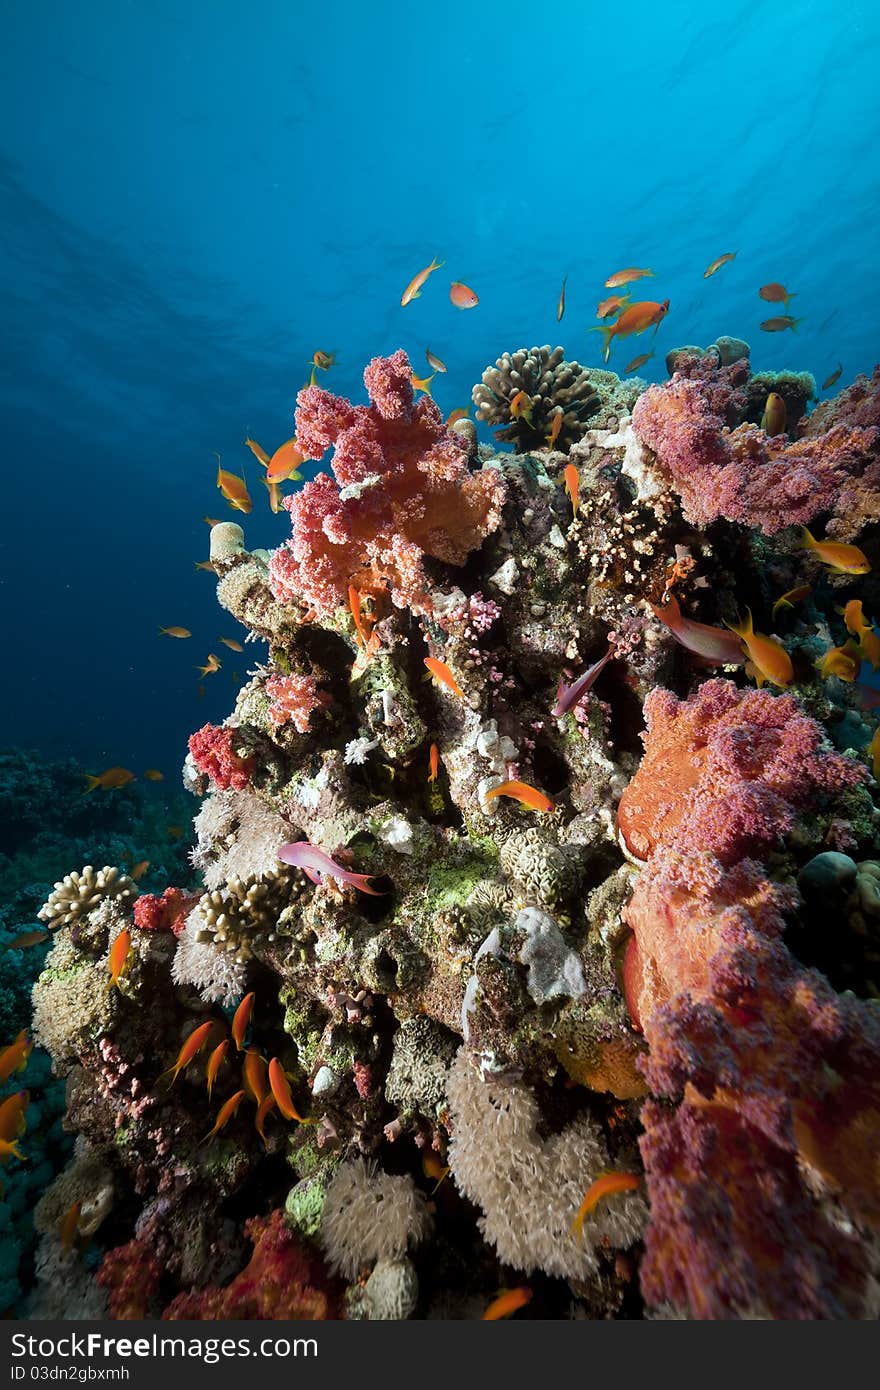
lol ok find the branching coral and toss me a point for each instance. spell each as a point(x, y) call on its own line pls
point(402, 491)
point(78, 894)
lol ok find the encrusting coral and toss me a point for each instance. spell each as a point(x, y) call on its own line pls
point(473, 979)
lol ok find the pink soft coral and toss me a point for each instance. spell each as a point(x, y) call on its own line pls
point(743, 475)
point(214, 753)
point(168, 913)
point(294, 700)
point(401, 491)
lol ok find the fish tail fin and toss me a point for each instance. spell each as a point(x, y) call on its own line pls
point(789, 297)
point(794, 324)
point(92, 781)
point(607, 331)
point(742, 627)
point(808, 541)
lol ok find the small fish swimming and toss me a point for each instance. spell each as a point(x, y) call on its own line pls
point(118, 957)
point(367, 639)
point(433, 763)
point(189, 1050)
point(234, 489)
point(461, 412)
point(521, 407)
point(606, 1185)
point(774, 419)
point(280, 1088)
point(716, 265)
point(433, 1167)
point(873, 752)
point(865, 632)
point(560, 307)
point(555, 427)
point(612, 305)
point(212, 521)
point(212, 665)
point(413, 289)
point(14, 1057)
point(829, 381)
point(276, 497)
point(179, 632)
point(523, 793)
point(769, 658)
point(434, 361)
point(422, 383)
point(842, 662)
point(258, 451)
point(315, 864)
point(12, 1115)
point(241, 1020)
point(839, 558)
point(109, 781)
point(254, 1073)
point(779, 325)
point(442, 674)
point(462, 296)
point(231, 643)
point(713, 644)
point(572, 485)
point(567, 696)
point(775, 293)
point(28, 938)
point(215, 1061)
point(225, 1114)
point(175, 831)
point(153, 774)
point(139, 869)
point(507, 1303)
point(322, 360)
point(69, 1225)
point(265, 1105)
point(9, 1149)
point(637, 362)
point(208, 566)
point(789, 599)
point(625, 277)
point(634, 320)
point(284, 463)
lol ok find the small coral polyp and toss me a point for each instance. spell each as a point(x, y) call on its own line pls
point(421, 1036)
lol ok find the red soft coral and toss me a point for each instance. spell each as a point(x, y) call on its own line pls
point(401, 491)
point(294, 700)
point(132, 1273)
point(214, 753)
point(168, 913)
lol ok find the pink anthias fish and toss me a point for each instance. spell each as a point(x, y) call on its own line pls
point(713, 644)
point(567, 696)
point(315, 864)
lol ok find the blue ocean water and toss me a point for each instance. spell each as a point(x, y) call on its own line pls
point(194, 198)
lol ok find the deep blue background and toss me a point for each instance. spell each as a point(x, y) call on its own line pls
point(194, 197)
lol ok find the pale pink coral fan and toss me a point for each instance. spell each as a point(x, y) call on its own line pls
point(401, 490)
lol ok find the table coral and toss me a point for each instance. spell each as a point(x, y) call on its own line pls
point(401, 490)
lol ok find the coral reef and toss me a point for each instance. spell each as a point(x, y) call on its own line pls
point(456, 950)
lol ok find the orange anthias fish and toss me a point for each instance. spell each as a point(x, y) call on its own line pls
point(713, 644)
point(433, 762)
point(28, 938)
point(225, 1114)
point(14, 1057)
point(276, 496)
point(322, 360)
point(716, 265)
point(842, 662)
point(637, 362)
point(413, 289)
point(208, 566)
point(522, 792)
point(873, 752)
point(9, 1149)
point(865, 632)
point(190, 1049)
point(507, 1303)
point(789, 599)
point(462, 412)
point(612, 305)
point(422, 383)
point(635, 319)
point(840, 558)
point(231, 643)
point(153, 774)
point(770, 660)
point(434, 361)
point(69, 1225)
point(284, 463)
point(521, 407)
point(212, 521)
point(265, 1105)
point(281, 1091)
point(572, 486)
point(212, 666)
point(625, 277)
point(12, 1115)
point(254, 1072)
point(442, 674)
point(175, 831)
point(367, 639)
point(553, 433)
point(829, 381)
point(774, 419)
point(118, 958)
point(258, 451)
point(139, 869)
point(215, 1062)
point(241, 1020)
point(560, 307)
point(462, 296)
point(606, 1185)
point(234, 489)
point(779, 325)
point(775, 294)
point(109, 781)
point(179, 632)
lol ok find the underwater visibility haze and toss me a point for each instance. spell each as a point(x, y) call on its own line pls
point(452, 438)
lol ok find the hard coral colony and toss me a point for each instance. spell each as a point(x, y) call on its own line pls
point(591, 1024)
